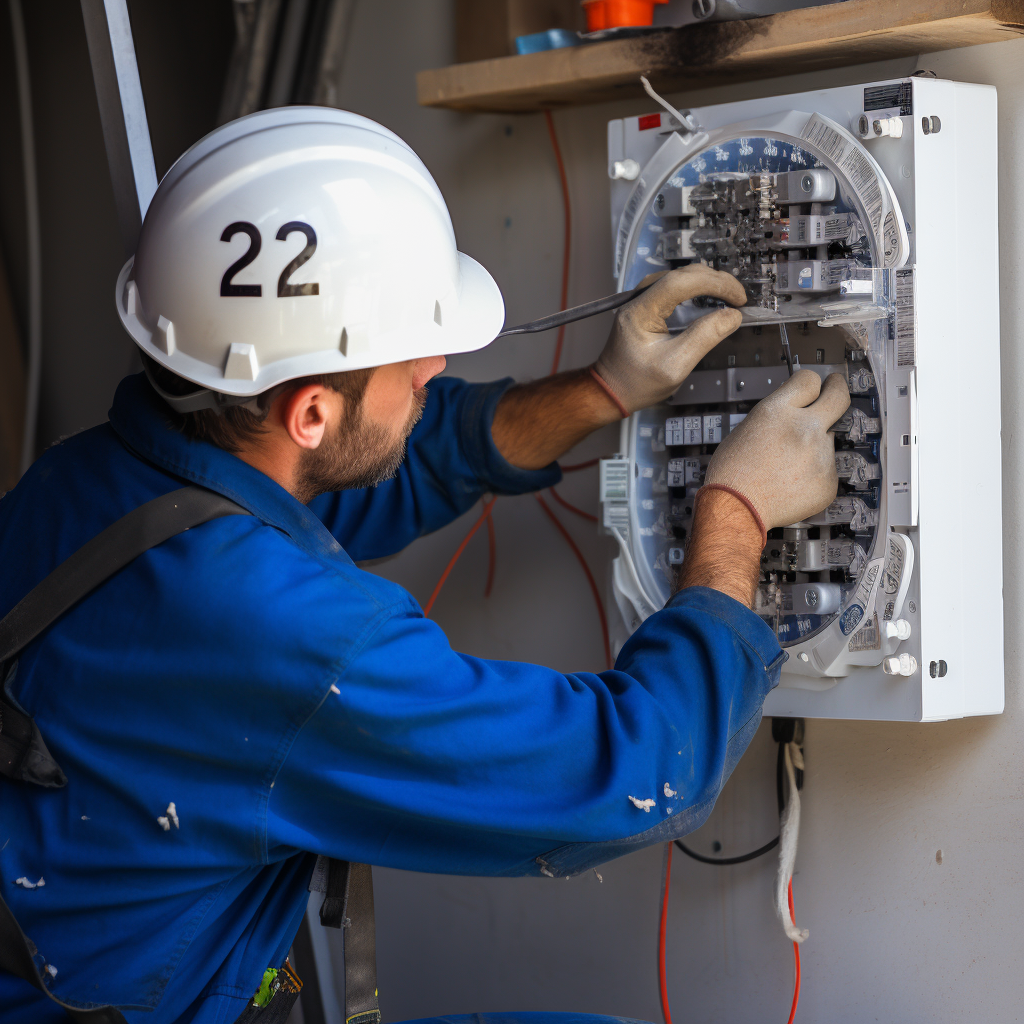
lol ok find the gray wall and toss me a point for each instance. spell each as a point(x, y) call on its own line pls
point(895, 936)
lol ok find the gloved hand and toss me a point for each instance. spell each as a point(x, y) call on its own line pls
point(781, 458)
point(642, 364)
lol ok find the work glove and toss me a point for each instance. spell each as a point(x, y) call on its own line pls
point(642, 363)
point(781, 460)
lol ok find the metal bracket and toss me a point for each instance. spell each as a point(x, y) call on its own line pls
point(122, 113)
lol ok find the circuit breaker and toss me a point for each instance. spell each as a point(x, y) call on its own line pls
point(862, 222)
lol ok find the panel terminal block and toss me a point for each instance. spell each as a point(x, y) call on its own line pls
point(678, 245)
point(795, 276)
point(674, 202)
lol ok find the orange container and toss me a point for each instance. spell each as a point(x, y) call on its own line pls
point(603, 14)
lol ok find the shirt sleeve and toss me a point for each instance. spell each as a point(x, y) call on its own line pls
point(452, 460)
point(425, 759)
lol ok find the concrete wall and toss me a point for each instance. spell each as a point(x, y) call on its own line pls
point(895, 935)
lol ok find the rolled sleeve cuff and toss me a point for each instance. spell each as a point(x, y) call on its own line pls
point(490, 466)
point(754, 631)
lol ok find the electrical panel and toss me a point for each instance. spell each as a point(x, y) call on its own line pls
point(862, 222)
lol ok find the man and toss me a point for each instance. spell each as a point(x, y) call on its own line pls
point(242, 697)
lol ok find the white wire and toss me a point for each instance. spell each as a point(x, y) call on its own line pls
point(35, 269)
point(789, 835)
point(687, 122)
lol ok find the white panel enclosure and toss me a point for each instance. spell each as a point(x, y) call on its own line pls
point(864, 218)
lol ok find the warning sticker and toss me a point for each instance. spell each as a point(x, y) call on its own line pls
point(868, 637)
point(847, 155)
point(864, 598)
point(633, 205)
point(906, 318)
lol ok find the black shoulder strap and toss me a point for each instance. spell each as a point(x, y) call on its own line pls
point(348, 904)
point(107, 553)
point(23, 755)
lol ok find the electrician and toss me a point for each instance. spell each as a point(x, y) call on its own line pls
point(296, 286)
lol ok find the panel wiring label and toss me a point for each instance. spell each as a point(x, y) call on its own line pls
point(906, 318)
point(895, 96)
point(849, 156)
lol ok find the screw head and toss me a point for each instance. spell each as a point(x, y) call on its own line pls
point(807, 183)
point(811, 597)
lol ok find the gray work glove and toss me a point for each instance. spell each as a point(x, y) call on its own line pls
point(781, 458)
point(642, 363)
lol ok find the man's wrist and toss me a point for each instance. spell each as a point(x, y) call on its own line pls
point(536, 423)
point(724, 548)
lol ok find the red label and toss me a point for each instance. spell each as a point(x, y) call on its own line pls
point(649, 121)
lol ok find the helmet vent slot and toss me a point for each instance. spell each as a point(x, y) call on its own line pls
point(343, 344)
point(437, 313)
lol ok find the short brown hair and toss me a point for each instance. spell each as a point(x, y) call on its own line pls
point(234, 427)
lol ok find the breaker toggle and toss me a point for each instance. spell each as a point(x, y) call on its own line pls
point(847, 510)
point(856, 470)
point(856, 424)
point(861, 382)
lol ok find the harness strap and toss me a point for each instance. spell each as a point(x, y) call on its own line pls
point(103, 556)
point(23, 754)
point(348, 904)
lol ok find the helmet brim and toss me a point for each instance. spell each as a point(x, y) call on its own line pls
point(473, 324)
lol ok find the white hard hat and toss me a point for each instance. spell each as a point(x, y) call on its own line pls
point(297, 241)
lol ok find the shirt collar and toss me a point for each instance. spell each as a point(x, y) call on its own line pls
point(143, 422)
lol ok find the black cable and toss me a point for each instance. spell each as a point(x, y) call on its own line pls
point(769, 846)
point(724, 861)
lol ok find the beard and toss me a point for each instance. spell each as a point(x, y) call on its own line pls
point(356, 453)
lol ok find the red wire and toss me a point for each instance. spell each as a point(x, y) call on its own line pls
point(796, 959)
point(590, 577)
point(580, 465)
point(492, 556)
point(572, 508)
point(568, 235)
point(486, 514)
point(666, 1013)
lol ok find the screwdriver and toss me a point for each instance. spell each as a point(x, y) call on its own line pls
point(785, 348)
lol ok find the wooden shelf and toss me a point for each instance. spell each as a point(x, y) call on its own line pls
point(854, 32)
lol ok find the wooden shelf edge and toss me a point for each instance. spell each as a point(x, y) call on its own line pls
point(810, 39)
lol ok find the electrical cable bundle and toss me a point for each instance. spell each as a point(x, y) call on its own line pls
point(485, 515)
point(788, 733)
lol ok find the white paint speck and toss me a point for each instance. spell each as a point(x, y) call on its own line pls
point(85, 817)
point(598, 873)
point(644, 805)
point(669, 791)
point(26, 884)
point(172, 814)
point(51, 970)
point(334, 689)
point(164, 824)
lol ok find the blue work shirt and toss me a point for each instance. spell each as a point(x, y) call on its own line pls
point(291, 704)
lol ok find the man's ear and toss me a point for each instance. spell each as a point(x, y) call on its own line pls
point(306, 412)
